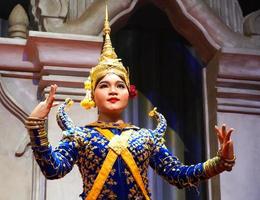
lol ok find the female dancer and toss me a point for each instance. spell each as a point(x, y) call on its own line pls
point(113, 156)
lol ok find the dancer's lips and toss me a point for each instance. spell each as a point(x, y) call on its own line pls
point(113, 100)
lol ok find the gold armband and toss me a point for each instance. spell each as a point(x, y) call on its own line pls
point(216, 165)
point(36, 130)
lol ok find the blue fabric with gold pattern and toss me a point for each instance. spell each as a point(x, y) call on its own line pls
point(87, 148)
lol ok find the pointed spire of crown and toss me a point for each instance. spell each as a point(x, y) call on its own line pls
point(108, 63)
point(108, 50)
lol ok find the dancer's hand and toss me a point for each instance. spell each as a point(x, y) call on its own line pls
point(226, 144)
point(43, 108)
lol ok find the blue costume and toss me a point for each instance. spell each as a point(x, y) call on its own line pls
point(88, 148)
point(113, 159)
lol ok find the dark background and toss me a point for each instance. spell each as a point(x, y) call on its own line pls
point(166, 72)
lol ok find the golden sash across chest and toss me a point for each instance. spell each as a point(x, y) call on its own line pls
point(118, 146)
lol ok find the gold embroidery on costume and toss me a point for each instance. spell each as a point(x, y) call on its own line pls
point(111, 125)
point(216, 165)
point(102, 175)
point(118, 147)
point(120, 143)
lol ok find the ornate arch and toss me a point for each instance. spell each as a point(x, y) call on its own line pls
point(195, 20)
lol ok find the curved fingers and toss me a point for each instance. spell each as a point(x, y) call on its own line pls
point(228, 135)
point(219, 134)
point(55, 104)
point(51, 95)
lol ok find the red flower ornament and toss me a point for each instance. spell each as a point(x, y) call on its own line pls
point(132, 91)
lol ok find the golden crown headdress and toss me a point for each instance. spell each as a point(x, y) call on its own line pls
point(108, 63)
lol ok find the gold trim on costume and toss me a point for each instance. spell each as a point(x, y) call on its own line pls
point(36, 130)
point(118, 146)
point(102, 175)
point(216, 165)
point(112, 125)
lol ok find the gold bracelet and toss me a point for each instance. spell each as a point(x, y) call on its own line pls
point(33, 126)
point(35, 119)
point(211, 167)
point(32, 123)
point(43, 144)
point(217, 165)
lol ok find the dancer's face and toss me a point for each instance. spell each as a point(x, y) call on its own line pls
point(111, 95)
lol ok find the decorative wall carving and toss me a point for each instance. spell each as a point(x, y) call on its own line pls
point(252, 25)
point(13, 107)
point(77, 8)
point(10, 104)
point(18, 110)
point(205, 31)
point(58, 9)
point(67, 64)
point(77, 17)
point(208, 34)
point(230, 12)
point(238, 82)
point(43, 59)
point(18, 23)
